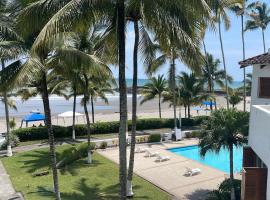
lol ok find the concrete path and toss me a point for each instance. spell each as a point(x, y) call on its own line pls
point(168, 175)
point(7, 192)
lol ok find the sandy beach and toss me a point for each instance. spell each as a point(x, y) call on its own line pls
point(110, 112)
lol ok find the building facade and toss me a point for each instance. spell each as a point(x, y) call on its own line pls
point(256, 156)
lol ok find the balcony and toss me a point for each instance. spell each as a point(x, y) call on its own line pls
point(254, 178)
point(259, 132)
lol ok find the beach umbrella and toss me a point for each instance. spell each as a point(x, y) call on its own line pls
point(208, 103)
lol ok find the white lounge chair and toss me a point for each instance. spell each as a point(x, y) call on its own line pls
point(161, 158)
point(140, 150)
point(148, 153)
point(191, 172)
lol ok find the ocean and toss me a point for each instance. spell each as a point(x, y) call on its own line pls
point(59, 104)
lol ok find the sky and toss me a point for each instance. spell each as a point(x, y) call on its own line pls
point(232, 47)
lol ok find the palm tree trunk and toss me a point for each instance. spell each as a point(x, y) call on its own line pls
point(134, 109)
point(231, 173)
point(9, 150)
point(48, 123)
point(159, 105)
point(180, 118)
point(93, 109)
point(173, 90)
point(86, 97)
point(185, 111)
point(74, 110)
point(189, 111)
point(89, 155)
point(209, 75)
point(224, 61)
point(264, 48)
point(244, 57)
point(123, 98)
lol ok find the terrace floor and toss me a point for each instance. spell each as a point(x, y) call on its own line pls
point(168, 175)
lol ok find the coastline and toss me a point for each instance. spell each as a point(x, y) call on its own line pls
point(109, 112)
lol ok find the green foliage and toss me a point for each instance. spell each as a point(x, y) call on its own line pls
point(103, 145)
point(193, 134)
point(14, 141)
point(12, 123)
point(154, 138)
point(74, 153)
point(39, 133)
point(224, 189)
point(225, 128)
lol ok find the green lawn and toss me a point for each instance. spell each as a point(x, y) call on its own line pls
point(78, 181)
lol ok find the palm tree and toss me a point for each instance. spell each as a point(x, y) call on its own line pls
point(240, 10)
point(259, 18)
point(191, 89)
point(235, 98)
point(11, 47)
point(226, 128)
point(212, 76)
point(221, 16)
point(99, 89)
point(121, 44)
point(155, 88)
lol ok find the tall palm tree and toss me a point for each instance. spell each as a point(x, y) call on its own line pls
point(211, 75)
point(226, 128)
point(221, 16)
point(240, 10)
point(154, 88)
point(123, 97)
point(259, 18)
point(11, 47)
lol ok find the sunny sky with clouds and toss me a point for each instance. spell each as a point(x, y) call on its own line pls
point(232, 47)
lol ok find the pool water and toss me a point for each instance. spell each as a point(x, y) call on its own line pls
point(219, 161)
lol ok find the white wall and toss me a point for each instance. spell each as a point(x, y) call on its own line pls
point(257, 73)
point(259, 136)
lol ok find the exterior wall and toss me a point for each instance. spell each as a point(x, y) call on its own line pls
point(258, 72)
point(259, 135)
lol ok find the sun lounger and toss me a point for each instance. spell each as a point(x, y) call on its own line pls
point(148, 153)
point(191, 172)
point(161, 158)
point(140, 150)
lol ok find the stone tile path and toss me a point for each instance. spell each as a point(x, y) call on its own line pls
point(168, 175)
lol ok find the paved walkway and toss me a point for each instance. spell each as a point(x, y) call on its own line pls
point(7, 192)
point(168, 175)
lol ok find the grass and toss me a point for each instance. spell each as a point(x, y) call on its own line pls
point(98, 181)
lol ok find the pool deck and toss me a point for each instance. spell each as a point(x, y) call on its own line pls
point(168, 175)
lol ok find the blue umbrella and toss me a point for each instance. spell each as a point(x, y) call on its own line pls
point(208, 103)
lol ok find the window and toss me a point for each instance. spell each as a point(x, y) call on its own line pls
point(264, 87)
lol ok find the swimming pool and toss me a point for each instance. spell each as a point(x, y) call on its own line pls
point(219, 161)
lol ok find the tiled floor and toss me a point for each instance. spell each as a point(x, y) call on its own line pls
point(168, 175)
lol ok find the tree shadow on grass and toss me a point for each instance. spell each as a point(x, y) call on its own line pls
point(198, 194)
point(86, 192)
point(38, 160)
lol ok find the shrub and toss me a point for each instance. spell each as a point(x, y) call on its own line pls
point(14, 141)
point(154, 138)
point(224, 190)
point(103, 145)
point(39, 133)
point(195, 134)
point(74, 153)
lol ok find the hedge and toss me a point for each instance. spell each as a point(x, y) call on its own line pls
point(39, 133)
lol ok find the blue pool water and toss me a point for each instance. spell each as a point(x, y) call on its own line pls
point(219, 161)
